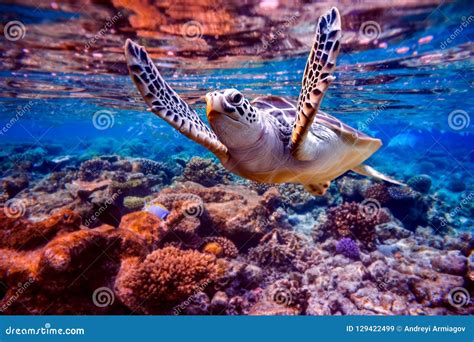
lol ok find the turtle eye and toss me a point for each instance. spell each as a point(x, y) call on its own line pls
point(236, 98)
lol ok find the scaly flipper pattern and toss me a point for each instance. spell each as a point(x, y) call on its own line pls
point(166, 103)
point(316, 79)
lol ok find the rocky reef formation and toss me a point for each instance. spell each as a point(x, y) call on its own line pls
point(83, 240)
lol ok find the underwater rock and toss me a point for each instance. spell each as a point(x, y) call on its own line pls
point(92, 169)
point(409, 206)
point(205, 172)
point(279, 249)
point(21, 234)
point(420, 183)
point(456, 185)
point(14, 184)
point(234, 212)
point(64, 268)
point(283, 297)
point(165, 278)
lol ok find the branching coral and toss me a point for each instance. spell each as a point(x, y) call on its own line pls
point(378, 192)
point(165, 278)
point(348, 248)
point(351, 220)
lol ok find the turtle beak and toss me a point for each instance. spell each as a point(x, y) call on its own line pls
point(210, 113)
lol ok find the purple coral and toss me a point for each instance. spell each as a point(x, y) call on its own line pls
point(348, 248)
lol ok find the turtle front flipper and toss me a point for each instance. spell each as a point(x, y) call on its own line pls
point(166, 103)
point(316, 79)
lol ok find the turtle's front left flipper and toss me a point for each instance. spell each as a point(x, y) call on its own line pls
point(316, 79)
point(165, 103)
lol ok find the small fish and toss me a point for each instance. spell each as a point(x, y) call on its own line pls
point(157, 209)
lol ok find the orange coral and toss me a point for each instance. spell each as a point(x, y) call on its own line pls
point(166, 277)
point(149, 226)
point(220, 246)
point(22, 234)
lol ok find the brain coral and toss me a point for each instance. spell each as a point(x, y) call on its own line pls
point(165, 278)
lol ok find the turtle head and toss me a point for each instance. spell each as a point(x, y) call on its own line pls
point(236, 123)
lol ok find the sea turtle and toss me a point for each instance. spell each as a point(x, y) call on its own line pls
point(271, 139)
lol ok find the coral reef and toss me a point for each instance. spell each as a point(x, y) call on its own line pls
point(92, 169)
point(280, 249)
point(165, 278)
point(348, 248)
point(420, 183)
point(224, 246)
point(352, 220)
point(220, 247)
point(205, 172)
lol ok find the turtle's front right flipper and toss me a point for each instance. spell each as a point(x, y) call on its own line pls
point(318, 75)
point(165, 103)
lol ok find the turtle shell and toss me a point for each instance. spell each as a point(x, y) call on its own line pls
point(284, 110)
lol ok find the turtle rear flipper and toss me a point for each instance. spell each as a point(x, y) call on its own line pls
point(366, 170)
point(316, 79)
point(166, 103)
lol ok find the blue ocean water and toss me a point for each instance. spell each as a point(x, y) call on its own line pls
point(413, 90)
